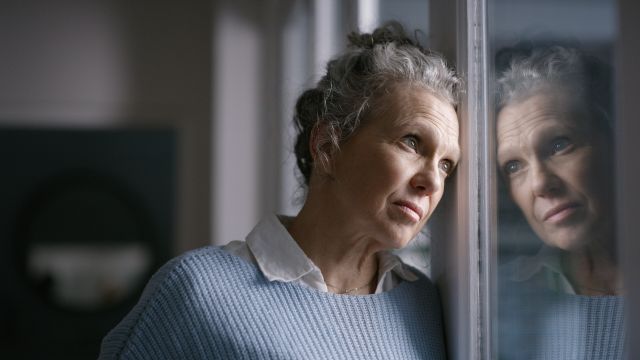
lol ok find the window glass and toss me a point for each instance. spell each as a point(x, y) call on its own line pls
point(559, 291)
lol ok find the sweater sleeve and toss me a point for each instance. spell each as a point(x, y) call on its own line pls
point(163, 324)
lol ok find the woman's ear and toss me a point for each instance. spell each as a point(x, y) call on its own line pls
point(321, 148)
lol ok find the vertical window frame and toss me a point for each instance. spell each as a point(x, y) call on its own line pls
point(627, 168)
point(465, 242)
point(479, 138)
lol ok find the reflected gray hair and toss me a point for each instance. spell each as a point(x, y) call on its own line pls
point(584, 77)
point(344, 96)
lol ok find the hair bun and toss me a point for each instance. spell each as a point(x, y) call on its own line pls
point(390, 32)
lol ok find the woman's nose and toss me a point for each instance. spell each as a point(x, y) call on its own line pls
point(545, 182)
point(427, 180)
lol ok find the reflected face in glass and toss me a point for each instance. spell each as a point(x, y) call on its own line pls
point(557, 169)
point(389, 176)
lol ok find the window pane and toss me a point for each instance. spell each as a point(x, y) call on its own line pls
point(559, 289)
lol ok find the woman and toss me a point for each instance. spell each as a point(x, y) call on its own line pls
point(377, 137)
point(555, 154)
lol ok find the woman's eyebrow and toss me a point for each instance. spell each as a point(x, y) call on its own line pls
point(505, 153)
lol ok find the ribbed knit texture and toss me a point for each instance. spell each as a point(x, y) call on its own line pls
point(536, 324)
point(209, 304)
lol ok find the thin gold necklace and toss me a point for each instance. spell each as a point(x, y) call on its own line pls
point(342, 291)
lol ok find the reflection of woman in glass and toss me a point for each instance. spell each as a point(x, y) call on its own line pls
point(555, 154)
point(377, 138)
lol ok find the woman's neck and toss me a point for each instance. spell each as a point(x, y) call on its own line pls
point(346, 258)
point(593, 271)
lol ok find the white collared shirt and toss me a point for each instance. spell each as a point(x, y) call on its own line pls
point(544, 269)
point(270, 247)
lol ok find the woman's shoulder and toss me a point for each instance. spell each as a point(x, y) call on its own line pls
point(209, 253)
point(181, 289)
point(203, 270)
point(206, 261)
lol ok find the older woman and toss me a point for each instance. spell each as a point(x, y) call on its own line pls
point(377, 138)
point(554, 150)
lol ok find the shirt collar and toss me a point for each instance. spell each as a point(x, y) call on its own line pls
point(280, 257)
point(415, 254)
point(389, 262)
point(277, 253)
point(546, 265)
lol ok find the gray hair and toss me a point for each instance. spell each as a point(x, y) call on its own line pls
point(584, 77)
point(342, 99)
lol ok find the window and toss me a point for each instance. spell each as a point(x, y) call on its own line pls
point(512, 269)
point(558, 281)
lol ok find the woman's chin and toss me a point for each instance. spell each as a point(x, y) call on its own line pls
point(569, 243)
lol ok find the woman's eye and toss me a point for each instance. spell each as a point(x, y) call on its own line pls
point(559, 145)
point(512, 167)
point(446, 166)
point(411, 141)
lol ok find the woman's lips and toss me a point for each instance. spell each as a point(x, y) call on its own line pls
point(560, 212)
point(410, 209)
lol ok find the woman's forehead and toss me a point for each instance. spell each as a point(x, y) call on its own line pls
point(524, 126)
point(408, 104)
point(542, 109)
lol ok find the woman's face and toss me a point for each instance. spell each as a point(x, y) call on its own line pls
point(389, 176)
point(558, 169)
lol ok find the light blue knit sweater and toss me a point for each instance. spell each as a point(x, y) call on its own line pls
point(539, 324)
point(209, 304)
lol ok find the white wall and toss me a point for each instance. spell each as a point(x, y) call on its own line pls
point(265, 55)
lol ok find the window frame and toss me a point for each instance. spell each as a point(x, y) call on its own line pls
point(467, 246)
point(627, 167)
point(467, 271)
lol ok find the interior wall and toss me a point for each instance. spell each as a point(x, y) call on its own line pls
point(236, 98)
point(112, 65)
point(116, 64)
point(263, 54)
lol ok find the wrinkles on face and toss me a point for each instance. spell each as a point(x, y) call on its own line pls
point(436, 119)
point(435, 122)
point(550, 159)
point(390, 166)
point(523, 126)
